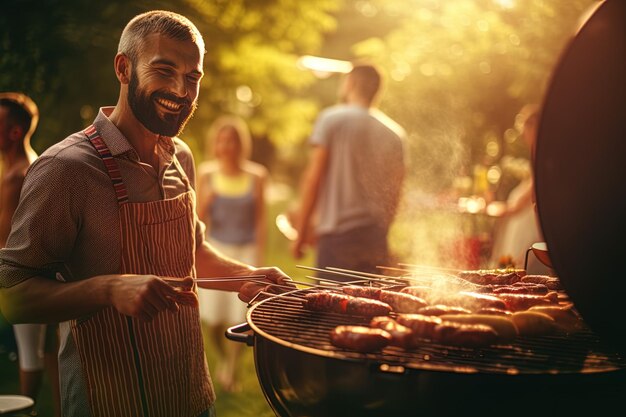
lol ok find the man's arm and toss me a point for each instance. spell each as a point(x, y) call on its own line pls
point(210, 263)
point(42, 300)
point(312, 180)
point(259, 218)
point(204, 192)
point(9, 199)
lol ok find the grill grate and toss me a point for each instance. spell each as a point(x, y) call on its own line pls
point(284, 320)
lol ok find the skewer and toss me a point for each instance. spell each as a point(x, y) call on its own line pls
point(269, 294)
point(365, 274)
point(345, 274)
point(337, 283)
point(217, 279)
point(412, 271)
point(310, 284)
point(392, 268)
point(429, 278)
point(236, 279)
point(437, 268)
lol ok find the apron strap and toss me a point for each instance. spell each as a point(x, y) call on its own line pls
point(109, 163)
point(182, 173)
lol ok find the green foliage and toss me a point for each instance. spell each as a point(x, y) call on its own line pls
point(460, 70)
point(61, 54)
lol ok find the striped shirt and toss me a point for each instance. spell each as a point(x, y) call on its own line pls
point(67, 226)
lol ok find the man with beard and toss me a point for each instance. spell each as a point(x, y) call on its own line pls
point(353, 180)
point(106, 240)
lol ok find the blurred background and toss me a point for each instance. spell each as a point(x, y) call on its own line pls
point(457, 74)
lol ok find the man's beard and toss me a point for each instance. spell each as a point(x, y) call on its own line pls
point(144, 109)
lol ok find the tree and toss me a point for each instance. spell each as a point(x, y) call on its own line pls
point(61, 54)
point(460, 70)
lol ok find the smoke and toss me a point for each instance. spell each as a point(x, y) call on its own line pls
point(429, 229)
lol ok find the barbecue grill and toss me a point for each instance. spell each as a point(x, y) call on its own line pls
point(302, 374)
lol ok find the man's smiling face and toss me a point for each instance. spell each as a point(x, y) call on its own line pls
point(164, 84)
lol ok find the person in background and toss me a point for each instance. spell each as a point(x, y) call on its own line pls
point(36, 343)
point(106, 240)
point(518, 227)
point(231, 203)
point(354, 178)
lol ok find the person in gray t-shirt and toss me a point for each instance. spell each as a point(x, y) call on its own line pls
point(354, 178)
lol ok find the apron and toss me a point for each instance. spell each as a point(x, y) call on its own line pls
point(134, 368)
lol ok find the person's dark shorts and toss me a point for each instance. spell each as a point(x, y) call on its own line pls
point(360, 249)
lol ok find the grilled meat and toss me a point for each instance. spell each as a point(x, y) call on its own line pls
point(362, 291)
point(503, 326)
point(346, 304)
point(467, 335)
point(566, 318)
point(441, 309)
point(359, 338)
point(491, 276)
point(494, 312)
point(552, 283)
point(400, 335)
point(533, 323)
point(422, 326)
point(521, 288)
point(475, 301)
point(399, 302)
point(517, 302)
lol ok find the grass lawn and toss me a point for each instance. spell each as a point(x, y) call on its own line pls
point(249, 401)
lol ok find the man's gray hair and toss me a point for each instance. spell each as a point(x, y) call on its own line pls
point(170, 24)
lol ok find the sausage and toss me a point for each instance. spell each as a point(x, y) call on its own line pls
point(326, 301)
point(469, 300)
point(362, 291)
point(420, 291)
point(487, 288)
point(565, 317)
point(517, 302)
point(494, 312)
point(533, 323)
point(524, 288)
point(422, 326)
point(400, 335)
point(515, 288)
point(552, 283)
point(396, 288)
point(343, 303)
point(491, 276)
point(399, 302)
point(359, 338)
point(402, 302)
point(475, 301)
point(466, 335)
point(441, 309)
point(504, 326)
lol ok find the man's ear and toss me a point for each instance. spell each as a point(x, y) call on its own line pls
point(123, 68)
point(16, 133)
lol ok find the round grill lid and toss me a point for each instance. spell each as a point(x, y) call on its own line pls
point(580, 170)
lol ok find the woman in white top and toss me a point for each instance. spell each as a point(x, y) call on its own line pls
point(232, 205)
point(519, 227)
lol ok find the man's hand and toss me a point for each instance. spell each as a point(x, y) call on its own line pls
point(278, 282)
point(145, 296)
point(297, 248)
